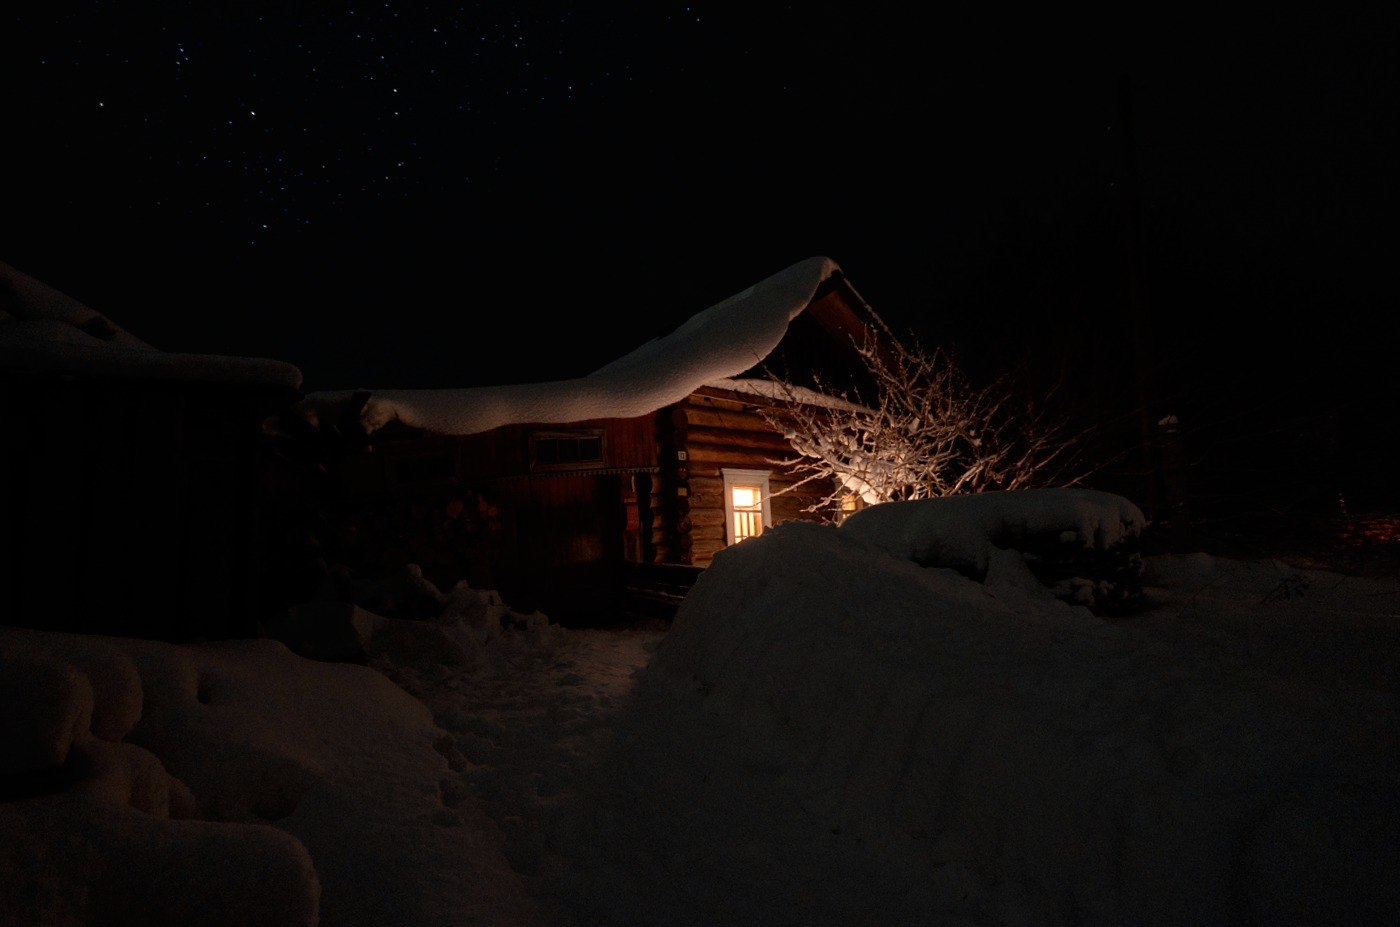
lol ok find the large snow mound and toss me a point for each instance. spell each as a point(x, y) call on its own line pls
point(843, 737)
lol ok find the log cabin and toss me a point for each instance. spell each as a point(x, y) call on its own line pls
point(602, 497)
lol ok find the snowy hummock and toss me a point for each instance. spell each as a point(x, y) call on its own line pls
point(721, 342)
point(232, 784)
point(830, 734)
point(963, 532)
point(44, 329)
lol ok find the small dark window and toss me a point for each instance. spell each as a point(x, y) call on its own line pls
point(566, 450)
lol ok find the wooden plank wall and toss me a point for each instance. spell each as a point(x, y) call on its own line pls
point(669, 543)
point(555, 540)
point(627, 442)
point(554, 532)
point(716, 429)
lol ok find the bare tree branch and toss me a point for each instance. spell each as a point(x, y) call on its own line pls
point(926, 430)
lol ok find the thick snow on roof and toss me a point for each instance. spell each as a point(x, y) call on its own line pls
point(44, 329)
point(720, 342)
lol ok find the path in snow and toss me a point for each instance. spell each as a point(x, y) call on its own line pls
point(530, 729)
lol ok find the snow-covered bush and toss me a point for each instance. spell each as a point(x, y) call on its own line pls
point(921, 429)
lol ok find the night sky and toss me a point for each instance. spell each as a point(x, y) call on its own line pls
point(401, 195)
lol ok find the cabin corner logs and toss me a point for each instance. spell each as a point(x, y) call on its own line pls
point(584, 541)
point(712, 430)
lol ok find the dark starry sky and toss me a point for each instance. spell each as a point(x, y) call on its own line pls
point(402, 194)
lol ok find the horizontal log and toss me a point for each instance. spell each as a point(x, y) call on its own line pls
point(708, 417)
point(708, 397)
point(782, 489)
point(728, 437)
point(733, 457)
point(800, 502)
point(707, 517)
point(707, 484)
point(707, 550)
point(778, 486)
point(791, 512)
point(706, 533)
point(708, 400)
point(707, 500)
point(782, 479)
point(726, 398)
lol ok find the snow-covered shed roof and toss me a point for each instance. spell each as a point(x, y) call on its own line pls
point(44, 329)
point(710, 349)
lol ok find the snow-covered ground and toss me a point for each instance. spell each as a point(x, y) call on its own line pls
point(893, 722)
point(829, 733)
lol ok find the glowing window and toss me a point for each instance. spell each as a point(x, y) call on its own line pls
point(746, 506)
point(850, 502)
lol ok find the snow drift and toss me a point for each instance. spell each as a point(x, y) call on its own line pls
point(838, 735)
point(230, 784)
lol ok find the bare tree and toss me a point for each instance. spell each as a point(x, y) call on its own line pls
point(924, 431)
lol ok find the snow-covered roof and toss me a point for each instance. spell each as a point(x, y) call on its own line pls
point(713, 346)
point(44, 329)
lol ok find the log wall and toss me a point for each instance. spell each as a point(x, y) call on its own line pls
point(710, 431)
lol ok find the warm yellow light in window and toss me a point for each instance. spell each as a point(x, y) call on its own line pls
point(747, 503)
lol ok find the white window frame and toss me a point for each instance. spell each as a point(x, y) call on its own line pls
point(757, 478)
